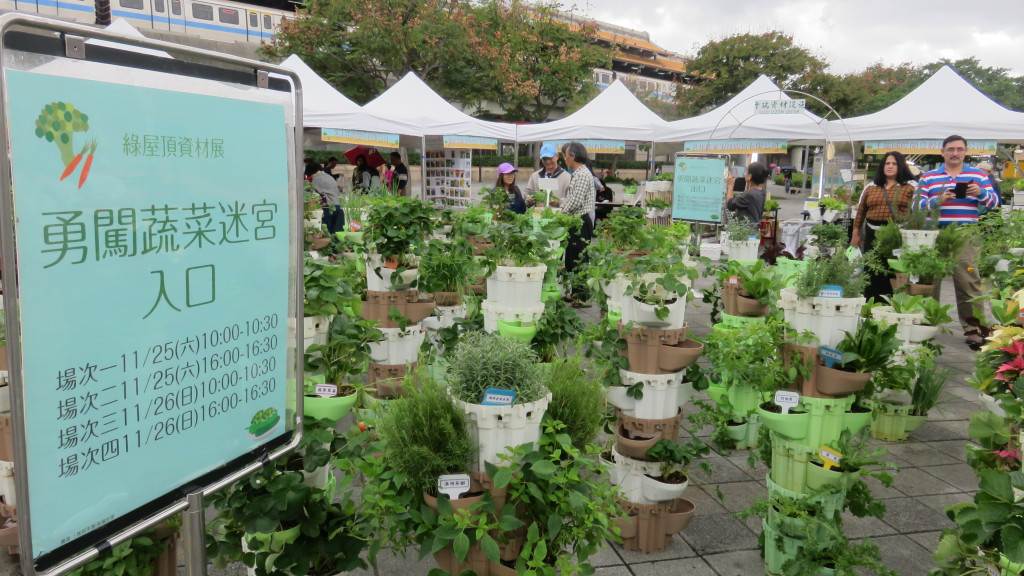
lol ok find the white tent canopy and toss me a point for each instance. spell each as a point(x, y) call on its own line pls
point(614, 114)
point(124, 28)
point(944, 104)
point(737, 119)
point(325, 107)
point(419, 111)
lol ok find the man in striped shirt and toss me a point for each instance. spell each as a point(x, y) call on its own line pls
point(937, 189)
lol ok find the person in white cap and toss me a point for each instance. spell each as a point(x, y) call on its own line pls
point(550, 169)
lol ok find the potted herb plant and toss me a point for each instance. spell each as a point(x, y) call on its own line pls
point(446, 271)
point(330, 391)
point(893, 420)
point(326, 291)
point(744, 239)
point(397, 231)
point(657, 289)
point(748, 290)
point(868, 349)
point(920, 270)
point(482, 362)
point(827, 315)
point(920, 228)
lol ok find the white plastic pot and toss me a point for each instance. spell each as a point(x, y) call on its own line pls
point(663, 395)
point(397, 346)
point(992, 404)
point(516, 286)
point(743, 250)
point(644, 314)
point(632, 479)
point(712, 251)
point(496, 428)
point(914, 240)
point(314, 330)
point(657, 491)
point(385, 282)
point(614, 290)
point(7, 483)
point(828, 318)
point(494, 311)
point(444, 317)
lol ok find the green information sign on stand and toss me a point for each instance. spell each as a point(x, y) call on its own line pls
point(155, 284)
point(699, 188)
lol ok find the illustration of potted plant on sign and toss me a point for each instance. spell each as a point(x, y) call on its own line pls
point(57, 123)
point(263, 423)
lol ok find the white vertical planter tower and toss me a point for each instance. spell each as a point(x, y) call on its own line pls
point(496, 428)
point(914, 240)
point(397, 346)
point(827, 318)
point(513, 295)
point(643, 314)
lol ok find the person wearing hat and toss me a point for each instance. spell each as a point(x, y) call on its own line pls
point(551, 169)
point(507, 182)
point(986, 167)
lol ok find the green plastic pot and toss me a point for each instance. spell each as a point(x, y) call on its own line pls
point(331, 408)
point(778, 549)
point(792, 426)
point(550, 295)
point(741, 321)
point(745, 434)
point(797, 527)
point(789, 270)
point(828, 418)
point(818, 478)
point(517, 331)
point(743, 399)
point(789, 464)
point(614, 317)
point(893, 422)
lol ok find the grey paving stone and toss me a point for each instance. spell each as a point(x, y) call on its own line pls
point(917, 482)
point(939, 502)
point(941, 431)
point(955, 448)
point(962, 392)
point(705, 499)
point(927, 540)
point(739, 495)
point(904, 555)
point(718, 533)
point(868, 527)
point(958, 475)
point(742, 563)
point(722, 471)
point(920, 454)
point(674, 551)
point(613, 571)
point(606, 556)
point(880, 491)
point(740, 461)
point(689, 567)
point(908, 515)
point(959, 410)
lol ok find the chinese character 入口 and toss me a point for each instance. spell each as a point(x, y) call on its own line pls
point(161, 295)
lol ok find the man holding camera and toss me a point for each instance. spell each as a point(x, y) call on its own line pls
point(963, 194)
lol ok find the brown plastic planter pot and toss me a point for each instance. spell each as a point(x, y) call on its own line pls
point(409, 304)
point(672, 359)
point(627, 525)
point(633, 444)
point(901, 282)
point(839, 383)
point(386, 379)
point(448, 298)
point(736, 302)
point(680, 514)
point(644, 347)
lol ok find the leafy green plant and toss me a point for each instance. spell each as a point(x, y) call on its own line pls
point(918, 219)
point(840, 556)
point(759, 281)
point(561, 500)
point(951, 241)
point(398, 227)
point(473, 221)
point(831, 236)
point(835, 270)
point(926, 264)
point(275, 499)
point(771, 205)
point(658, 278)
point(133, 557)
point(425, 436)
point(657, 204)
point(482, 361)
point(325, 288)
point(447, 266)
point(347, 349)
point(627, 230)
point(577, 400)
point(927, 387)
point(557, 324)
point(870, 348)
point(830, 203)
point(887, 239)
point(935, 314)
point(866, 462)
point(904, 303)
point(741, 229)
point(602, 344)
point(729, 353)
point(514, 247)
point(674, 457)
point(993, 523)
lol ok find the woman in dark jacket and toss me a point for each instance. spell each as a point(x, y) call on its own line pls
point(507, 182)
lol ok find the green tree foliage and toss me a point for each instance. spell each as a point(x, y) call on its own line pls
point(539, 60)
point(360, 46)
point(734, 62)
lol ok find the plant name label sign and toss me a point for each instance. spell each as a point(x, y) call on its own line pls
point(453, 485)
point(830, 292)
point(496, 397)
point(831, 355)
point(326, 390)
point(1020, 316)
point(830, 457)
point(143, 216)
point(787, 400)
point(734, 279)
point(698, 188)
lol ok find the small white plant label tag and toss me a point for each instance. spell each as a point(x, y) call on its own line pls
point(787, 399)
point(496, 397)
point(734, 279)
point(326, 390)
point(830, 292)
point(831, 355)
point(830, 457)
point(454, 485)
point(314, 254)
point(914, 279)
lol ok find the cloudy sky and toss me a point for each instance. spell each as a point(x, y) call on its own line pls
point(849, 34)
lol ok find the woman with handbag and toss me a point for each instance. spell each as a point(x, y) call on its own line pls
point(887, 198)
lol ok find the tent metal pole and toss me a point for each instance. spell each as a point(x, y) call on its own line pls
point(423, 168)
